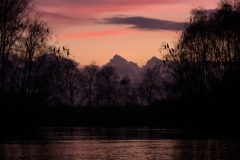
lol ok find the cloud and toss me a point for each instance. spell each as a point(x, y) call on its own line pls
point(145, 23)
point(63, 13)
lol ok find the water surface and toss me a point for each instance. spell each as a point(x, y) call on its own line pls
point(118, 143)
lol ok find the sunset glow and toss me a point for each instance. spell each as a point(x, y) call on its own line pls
point(96, 30)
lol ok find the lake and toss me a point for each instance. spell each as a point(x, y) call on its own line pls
point(74, 143)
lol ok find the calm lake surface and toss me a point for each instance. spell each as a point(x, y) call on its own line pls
point(115, 143)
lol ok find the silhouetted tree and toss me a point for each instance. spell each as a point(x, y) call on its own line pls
point(208, 50)
point(73, 80)
point(57, 81)
point(149, 85)
point(34, 44)
point(13, 23)
point(106, 86)
point(89, 79)
point(125, 91)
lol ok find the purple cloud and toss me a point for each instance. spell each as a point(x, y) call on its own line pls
point(145, 23)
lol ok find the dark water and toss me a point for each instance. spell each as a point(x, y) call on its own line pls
point(118, 143)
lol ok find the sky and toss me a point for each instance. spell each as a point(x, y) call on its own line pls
point(96, 30)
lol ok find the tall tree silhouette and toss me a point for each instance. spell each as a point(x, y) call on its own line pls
point(208, 50)
point(34, 44)
point(13, 22)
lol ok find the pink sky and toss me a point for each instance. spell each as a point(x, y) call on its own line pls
point(96, 30)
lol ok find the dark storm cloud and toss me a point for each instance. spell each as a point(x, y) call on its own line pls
point(145, 23)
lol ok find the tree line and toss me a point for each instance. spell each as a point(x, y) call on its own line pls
point(204, 59)
point(204, 64)
point(52, 80)
point(37, 73)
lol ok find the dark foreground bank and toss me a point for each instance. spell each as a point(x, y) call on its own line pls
point(215, 120)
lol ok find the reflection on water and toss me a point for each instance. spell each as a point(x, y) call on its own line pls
point(85, 143)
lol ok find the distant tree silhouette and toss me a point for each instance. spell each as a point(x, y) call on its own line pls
point(149, 85)
point(106, 86)
point(125, 91)
point(72, 80)
point(89, 79)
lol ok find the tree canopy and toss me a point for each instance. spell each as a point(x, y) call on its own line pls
point(207, 54)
